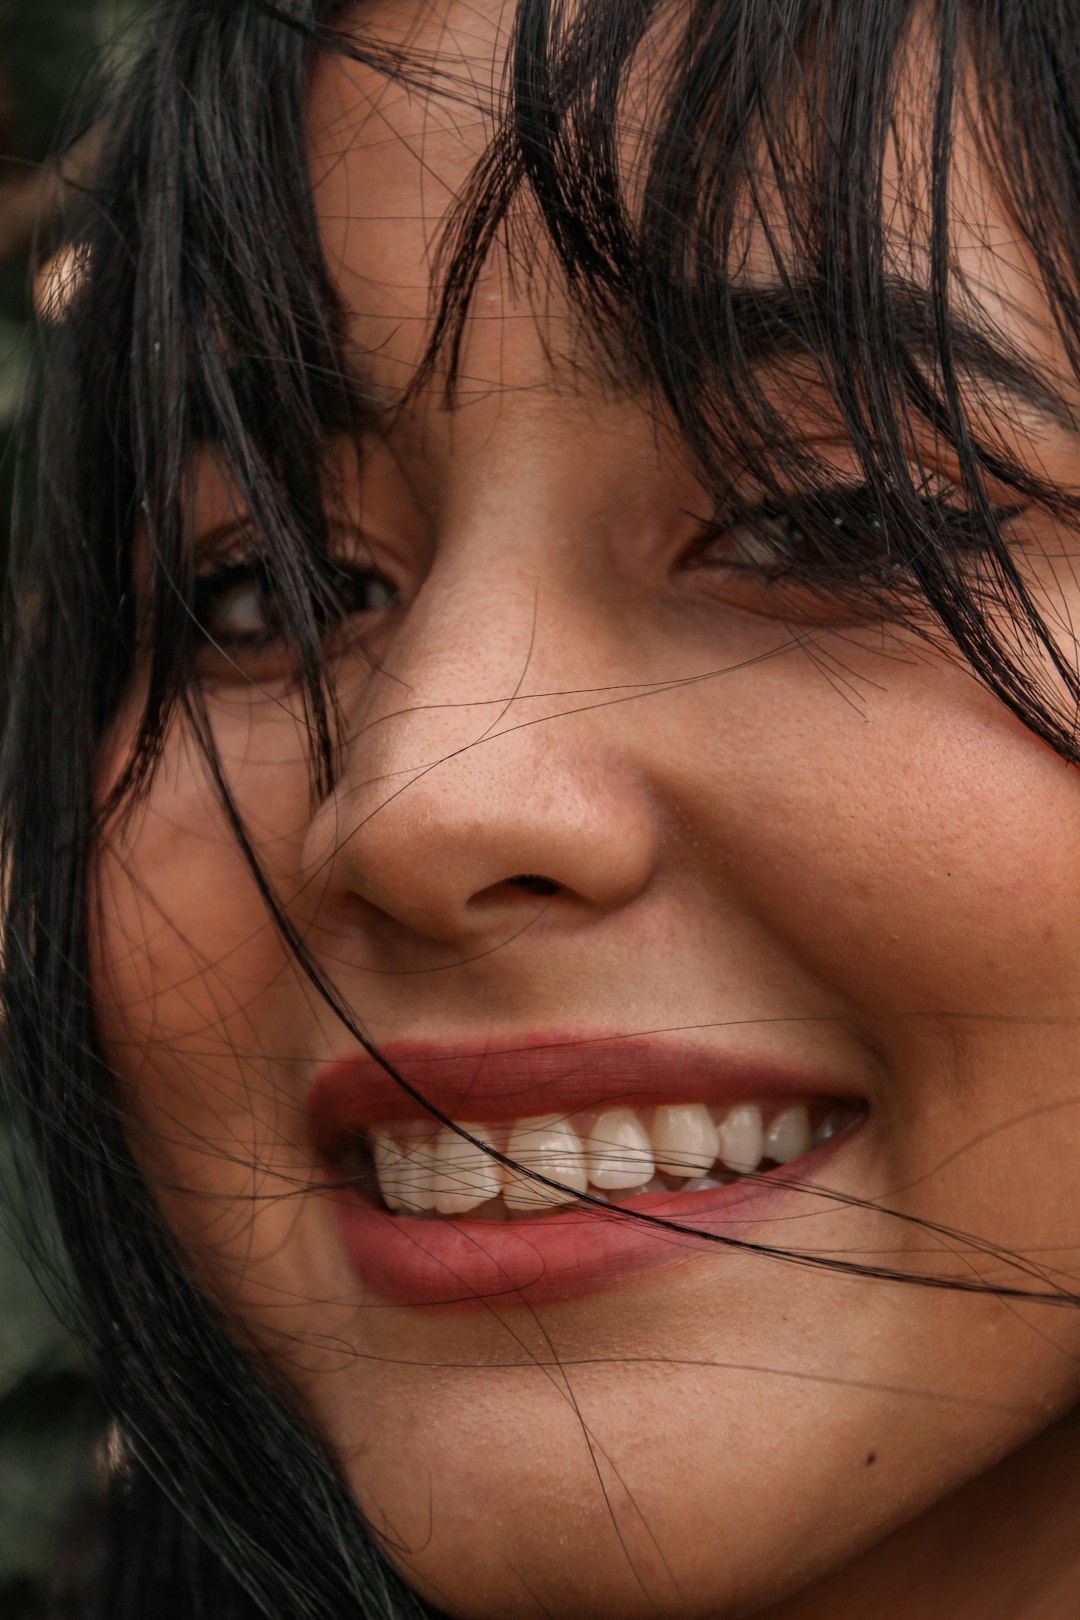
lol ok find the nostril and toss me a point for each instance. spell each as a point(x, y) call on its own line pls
point(532, 883)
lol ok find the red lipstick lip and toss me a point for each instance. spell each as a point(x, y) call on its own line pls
point(455, 1261)
point(525, 1076)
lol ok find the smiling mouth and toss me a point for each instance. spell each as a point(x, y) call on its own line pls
point(417, 1167)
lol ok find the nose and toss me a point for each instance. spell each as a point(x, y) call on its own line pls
point(461, 806)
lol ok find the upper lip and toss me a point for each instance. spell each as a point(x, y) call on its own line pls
point(554, 1074)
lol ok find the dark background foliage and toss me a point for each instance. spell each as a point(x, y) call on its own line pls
point(51, 1427)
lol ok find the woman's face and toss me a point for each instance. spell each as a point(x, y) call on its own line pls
point(776, 859)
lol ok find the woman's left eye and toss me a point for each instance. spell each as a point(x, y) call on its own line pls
point(835, 546)
point(242, 620)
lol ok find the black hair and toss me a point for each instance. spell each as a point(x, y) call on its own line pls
point(205, 313)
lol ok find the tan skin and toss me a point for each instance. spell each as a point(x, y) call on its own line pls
point(882, 886)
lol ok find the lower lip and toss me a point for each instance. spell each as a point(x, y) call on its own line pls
point(563, 1255)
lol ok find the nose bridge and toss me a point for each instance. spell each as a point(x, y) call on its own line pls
point(480, 632)
point(505, 622)
point(483, 653)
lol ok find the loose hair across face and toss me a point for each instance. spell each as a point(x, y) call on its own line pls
point(207, 316)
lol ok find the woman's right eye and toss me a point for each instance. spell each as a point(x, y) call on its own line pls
point(243, 627)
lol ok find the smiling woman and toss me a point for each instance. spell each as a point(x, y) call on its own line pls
point(542, 926)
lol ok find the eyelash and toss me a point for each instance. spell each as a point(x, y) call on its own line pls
point(821, 540)
point(818, 541)
point(346, 586)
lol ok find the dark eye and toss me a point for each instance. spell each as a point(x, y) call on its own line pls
point(235, 608)
point(242, 623)
point(842, 543)
point(835, 531)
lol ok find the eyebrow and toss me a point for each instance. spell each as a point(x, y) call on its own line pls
point(346, 402)
point(777, 323)
point(770, 324)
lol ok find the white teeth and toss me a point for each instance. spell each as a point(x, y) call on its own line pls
point(552, 1148)
point(423, 1169)
point(788, 1137)
point(742, 1139)
point(466, 1175)
point(388, 1161)
point(405, 1165)
point(619, 1151)
point(685, 1141)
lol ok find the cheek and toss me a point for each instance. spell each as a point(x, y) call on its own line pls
point(918, 851)
point(208, 1025)
point(187, 965)
point(953, 861)
point(921, 861)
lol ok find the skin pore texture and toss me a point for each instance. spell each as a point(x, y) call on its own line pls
point(776, 835)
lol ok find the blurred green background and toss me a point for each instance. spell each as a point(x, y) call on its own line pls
point(52, 1431)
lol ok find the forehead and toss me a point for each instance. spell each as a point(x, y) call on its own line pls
point(388, 159)
point(392, 157)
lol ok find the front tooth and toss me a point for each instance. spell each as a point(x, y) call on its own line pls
point(553, 1148)
point(619, 1151)
point(388, 1161)
point(742, 1139)
point(788, 1137)
point(685, 1141)
point(405, 1165)
point(467, 1176)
